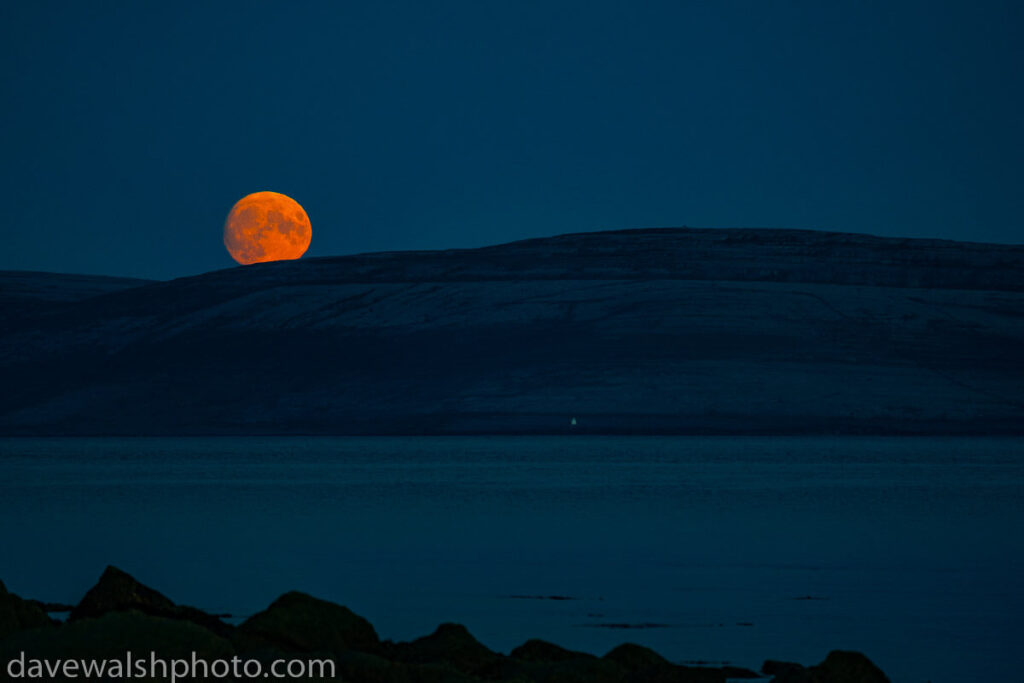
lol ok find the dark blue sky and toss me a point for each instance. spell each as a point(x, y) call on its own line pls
point(129, 129)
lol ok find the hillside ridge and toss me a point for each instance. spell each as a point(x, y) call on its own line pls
point(636, 332)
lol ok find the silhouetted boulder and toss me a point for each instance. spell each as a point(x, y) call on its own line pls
point(850, 667)
point(301, 623)
point(111, 635)
point(635, 657)
point(118, 591)
point(644, 665)
point(543, 662)
point(18, 615)
point(450, 644)
point(839, 667)
point(541, 650)
point(772, 667)
point(120, 614)
point(361, 667)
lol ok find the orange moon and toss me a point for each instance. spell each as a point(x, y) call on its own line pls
point(267, 226)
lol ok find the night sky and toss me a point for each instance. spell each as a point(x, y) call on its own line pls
point(129, 129)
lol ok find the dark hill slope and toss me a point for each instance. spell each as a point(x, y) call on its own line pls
point(677, 331)
point(26, 292)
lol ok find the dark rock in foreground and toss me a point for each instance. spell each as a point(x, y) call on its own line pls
point(543, 651)
point(838, 667)
point(644, 664)
point(117, 591)
point(297, 622)
point(113, 634)
point(644, 331)
point(120, 614)
point(19, 615)
point(450, 645)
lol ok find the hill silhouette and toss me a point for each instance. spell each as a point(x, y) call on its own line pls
point(635, 331)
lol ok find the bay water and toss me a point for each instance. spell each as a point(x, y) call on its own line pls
point(709, 549)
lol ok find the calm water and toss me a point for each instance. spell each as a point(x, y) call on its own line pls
point(911, 548)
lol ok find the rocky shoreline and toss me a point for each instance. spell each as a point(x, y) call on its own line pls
point(120, 614)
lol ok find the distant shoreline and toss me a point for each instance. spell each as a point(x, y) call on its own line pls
point(1014, 430)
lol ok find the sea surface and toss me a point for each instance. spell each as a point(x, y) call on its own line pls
point(710, 549)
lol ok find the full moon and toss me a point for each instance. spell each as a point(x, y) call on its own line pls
point(266, 226)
